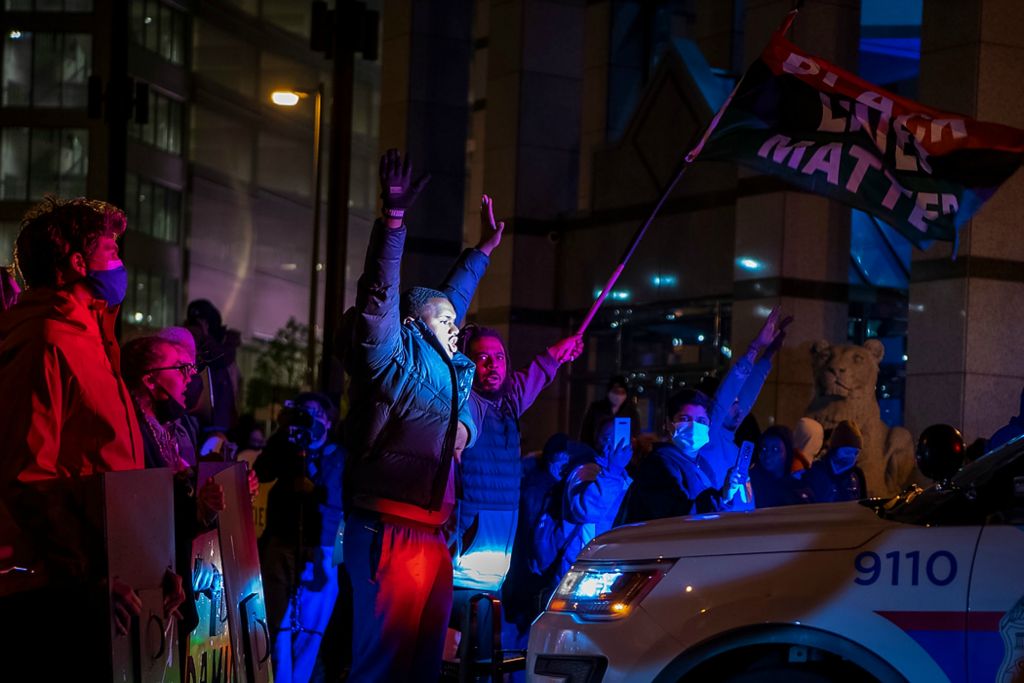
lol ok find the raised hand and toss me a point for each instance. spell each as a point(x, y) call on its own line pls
point(774, 327)
point(490, 232)
point(568, 349)
point(397, 189)
point(174, 594)
point(617, 455)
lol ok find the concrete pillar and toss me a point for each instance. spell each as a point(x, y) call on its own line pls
point(965, 367)
point(426, 51)
point(530, 166)
point(793, 249)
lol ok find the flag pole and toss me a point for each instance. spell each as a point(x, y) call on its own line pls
point(690, 157)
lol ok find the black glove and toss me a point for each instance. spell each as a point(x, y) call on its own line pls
point(397, 191)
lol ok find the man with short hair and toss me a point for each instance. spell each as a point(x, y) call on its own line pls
point(406, 422)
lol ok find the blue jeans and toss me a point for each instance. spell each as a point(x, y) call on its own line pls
point(401, 598)
point(298, 615)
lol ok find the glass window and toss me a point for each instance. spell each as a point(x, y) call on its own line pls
point(46, 69)
point(17, 69)
point(292, 16)
point(159, 28)
point(152, 299)
point(48, 5)
point(163, 130)
point(152, 209)
point(222, 143)
point(40, 160)
point(225, 60)
point(8, 233)
point(14, 163)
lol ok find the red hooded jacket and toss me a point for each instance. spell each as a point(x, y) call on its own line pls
point(64, 410)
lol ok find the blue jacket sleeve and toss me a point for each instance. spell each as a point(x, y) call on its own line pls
point(526, 384)
point(594, 493)
point(728, 391)
point(461, 282)
point(377, 328)
point(752, 387)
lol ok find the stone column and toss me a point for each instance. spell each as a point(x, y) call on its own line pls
point(530, 166)
point(964, 363)
point(426, 50)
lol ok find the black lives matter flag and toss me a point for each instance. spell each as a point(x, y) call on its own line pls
point(923, 171)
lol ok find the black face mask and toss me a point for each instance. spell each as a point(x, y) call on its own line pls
point(193, 392)
point(168, 410)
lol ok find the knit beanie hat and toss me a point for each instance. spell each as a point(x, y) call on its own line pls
point(846, 433)
point(808, 436)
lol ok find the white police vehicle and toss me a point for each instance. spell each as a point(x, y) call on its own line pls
point(926, 587)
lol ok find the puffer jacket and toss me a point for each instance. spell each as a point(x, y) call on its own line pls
point(406, 396)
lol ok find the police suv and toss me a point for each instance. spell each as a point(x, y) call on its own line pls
point(928, 586)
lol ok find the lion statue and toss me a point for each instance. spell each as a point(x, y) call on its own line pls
point(844, 389)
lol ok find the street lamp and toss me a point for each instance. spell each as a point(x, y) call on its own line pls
point(290, 98)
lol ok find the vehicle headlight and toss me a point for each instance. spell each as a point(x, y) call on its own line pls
point(606, 590)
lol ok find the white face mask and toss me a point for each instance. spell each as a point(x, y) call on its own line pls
point(690, 437)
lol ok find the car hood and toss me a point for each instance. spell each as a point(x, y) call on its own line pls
point(830, 526)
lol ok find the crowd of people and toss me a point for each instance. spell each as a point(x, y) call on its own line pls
point(382, 526)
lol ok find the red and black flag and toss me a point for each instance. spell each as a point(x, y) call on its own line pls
point(923, 171)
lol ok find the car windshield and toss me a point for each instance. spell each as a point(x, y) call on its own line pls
point(981, 488)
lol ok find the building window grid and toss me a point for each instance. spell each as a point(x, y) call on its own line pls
point(159, 28)
point(163, 130)
point(151, 300)
point(60, 81)
point(48, 5)
point(153, 209)
point(54, 160)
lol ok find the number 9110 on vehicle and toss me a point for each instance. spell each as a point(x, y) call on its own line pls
point(928, 586)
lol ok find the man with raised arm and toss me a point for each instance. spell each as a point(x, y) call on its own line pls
point(407, 422)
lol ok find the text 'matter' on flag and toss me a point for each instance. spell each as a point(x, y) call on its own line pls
point(923, 171)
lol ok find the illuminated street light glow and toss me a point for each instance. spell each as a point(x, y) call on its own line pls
point(285, 98)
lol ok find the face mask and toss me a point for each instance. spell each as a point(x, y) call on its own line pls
point(843, 459)
point(690, 437)
point(616, 399)
point(110, 285)
point(193, 392)
point(168, 410)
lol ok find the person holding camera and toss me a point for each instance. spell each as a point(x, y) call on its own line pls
point(304, 510)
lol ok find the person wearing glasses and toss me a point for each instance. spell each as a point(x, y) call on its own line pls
point(673, 481)
point(158, 372)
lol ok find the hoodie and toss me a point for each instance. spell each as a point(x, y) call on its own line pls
point(66, 411)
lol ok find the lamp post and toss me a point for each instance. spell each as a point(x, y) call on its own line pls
point(290, 98)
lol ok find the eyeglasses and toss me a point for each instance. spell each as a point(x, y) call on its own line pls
point(186, 369)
